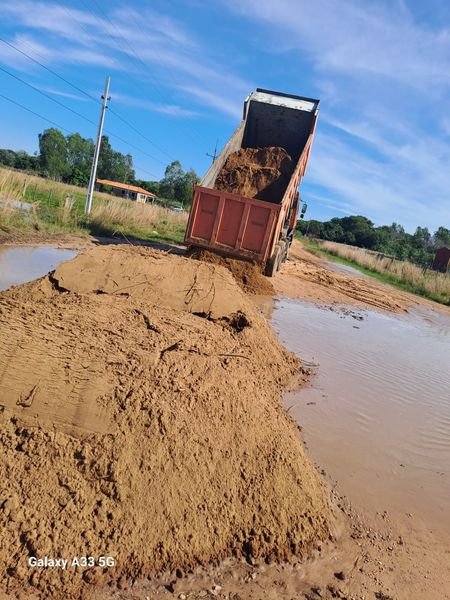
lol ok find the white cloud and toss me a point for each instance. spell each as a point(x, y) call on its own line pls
point(166, 109)
point(141, 44)
point(217, 101)
point(385, 80)
point(353, 37)
point(56, 92)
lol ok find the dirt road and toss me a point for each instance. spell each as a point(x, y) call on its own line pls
point(311, 278)
point(142, 420)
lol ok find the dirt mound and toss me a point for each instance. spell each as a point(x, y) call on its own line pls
point(261, 173)
point(247, 274)
point(156, 277)
point(133, 428)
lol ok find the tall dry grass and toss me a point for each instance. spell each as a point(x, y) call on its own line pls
point(58, 206)
point(28, 187)
point(122, 216)
point(425, 281)
point(12, 209)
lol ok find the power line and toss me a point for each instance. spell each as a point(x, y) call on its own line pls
point(36, 89)
point(111, 134)
point(33, 112)
point(75, 87)
point(113, 112)
point(36, 114)
point(89, 96)
point(137, 57)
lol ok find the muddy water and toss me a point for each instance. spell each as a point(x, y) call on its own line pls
point(22, 264)
point(377, 414)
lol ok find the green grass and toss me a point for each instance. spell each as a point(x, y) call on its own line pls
point(385, 277)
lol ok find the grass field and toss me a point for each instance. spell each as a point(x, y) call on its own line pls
point(403, 274)
point(58, 207)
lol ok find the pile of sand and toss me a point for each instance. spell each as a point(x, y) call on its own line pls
point(248, 275)
point(261, 173)
point(132, 427)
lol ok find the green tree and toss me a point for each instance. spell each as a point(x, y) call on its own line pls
point(7, 157)
point(53, 153)
point(80, 152)
point(150, 186)
point(177, 184)
point(172, 180)
point(185, 193)
point(441, 237)
point(114, 165)
point(26, 162)
point(421, 238)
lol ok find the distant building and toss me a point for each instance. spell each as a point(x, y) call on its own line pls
point(131, 192)
point(441, 260)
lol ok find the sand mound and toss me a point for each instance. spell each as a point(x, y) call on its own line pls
point(261, 173)
point(156, 277)
point(133, 428)
point(247, 274)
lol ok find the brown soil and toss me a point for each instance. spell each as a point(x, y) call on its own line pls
point(19, 237)
point(309, 277)
point(248, 275)
point(261, 173)
point(373, 558)
point(142, 419)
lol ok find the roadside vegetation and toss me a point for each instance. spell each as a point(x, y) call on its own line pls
point(418, 248)
point(68, 159)
point(33, 202)
point(46, 192)
point(403, 274)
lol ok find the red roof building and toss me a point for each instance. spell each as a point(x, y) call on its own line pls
point(124, 190)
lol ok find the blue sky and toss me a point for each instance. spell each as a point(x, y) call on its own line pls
point(180, 71)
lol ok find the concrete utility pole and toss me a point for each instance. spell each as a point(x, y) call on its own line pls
point(90, 192)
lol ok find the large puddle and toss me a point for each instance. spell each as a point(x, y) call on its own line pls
point(22, 264)
point(376, 416)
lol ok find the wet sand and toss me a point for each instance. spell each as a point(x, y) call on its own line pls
point(376, 549)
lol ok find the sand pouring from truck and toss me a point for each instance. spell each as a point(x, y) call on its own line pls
point(247, 204)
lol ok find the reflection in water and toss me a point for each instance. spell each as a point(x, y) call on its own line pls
point(22, 264)
point(377, 416)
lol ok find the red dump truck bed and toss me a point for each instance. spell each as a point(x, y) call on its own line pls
point(248, 228)
point(231, 224)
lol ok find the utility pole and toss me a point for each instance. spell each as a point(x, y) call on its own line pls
point(213, 156)
point(90, 191)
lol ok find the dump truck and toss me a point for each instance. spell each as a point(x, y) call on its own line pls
point(259, 225)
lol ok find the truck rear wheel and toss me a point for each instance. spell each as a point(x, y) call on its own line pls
point(274, 262)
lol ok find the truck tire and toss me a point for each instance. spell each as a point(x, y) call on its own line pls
point(274, 262)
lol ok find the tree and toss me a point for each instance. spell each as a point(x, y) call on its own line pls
point(150, 186)
point(172, 180)
point(53, 153)
point(184, 195)
point(441, 238)
point(177, 184)
point(114, 165)
point(7, 157)
point(80, 152)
